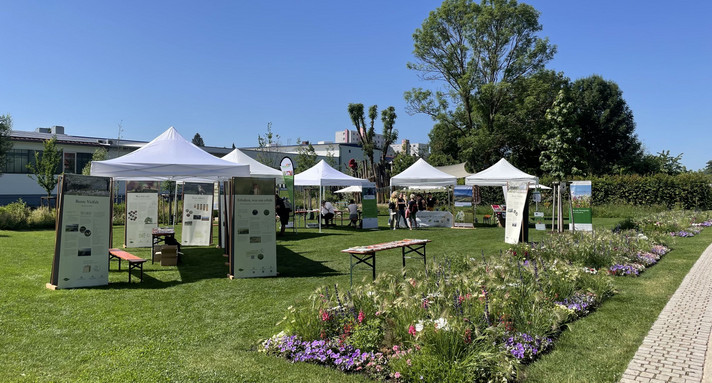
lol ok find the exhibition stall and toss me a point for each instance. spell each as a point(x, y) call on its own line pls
point(423, 175)
point(322, 175)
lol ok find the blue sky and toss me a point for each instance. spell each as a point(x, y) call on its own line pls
point(225, 69)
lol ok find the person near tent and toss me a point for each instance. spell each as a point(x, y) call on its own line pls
point(430, 202)
point(353, 213)
point(282, 211)
point(412, 212)
point(401, 211)
point(327, 213)
point(421, 202)
point(393, 219)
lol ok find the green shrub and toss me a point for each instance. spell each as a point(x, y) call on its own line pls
point(42, 217)
point(14, 216)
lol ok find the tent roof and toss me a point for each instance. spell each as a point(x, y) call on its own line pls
point(422, 173)
point(257, 169)
point(498, 175)
point(350, 189)
point(322, 174)
point(457, 170)
point(168, 157)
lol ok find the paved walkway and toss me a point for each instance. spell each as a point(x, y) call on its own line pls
point(675, 349)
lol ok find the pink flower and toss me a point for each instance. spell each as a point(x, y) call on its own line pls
point(408, 362)
point(378, 313)
point(395, 348)
point(361, 316)
point(397, 375)
point(411, 330)
point(324, 316)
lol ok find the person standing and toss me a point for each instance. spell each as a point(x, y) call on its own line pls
point(412, 212)
point(430, 202)
point(327, 213)
point(282, 211)
point(353, 213)
point(393, 211)
point(401, 211)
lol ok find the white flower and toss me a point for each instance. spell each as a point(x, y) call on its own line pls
point(419, 326)
point(441, 324)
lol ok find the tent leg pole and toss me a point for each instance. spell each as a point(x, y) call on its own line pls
point(319, 206)
point(175, 211)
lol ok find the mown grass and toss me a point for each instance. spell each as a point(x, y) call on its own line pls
point(191, 323)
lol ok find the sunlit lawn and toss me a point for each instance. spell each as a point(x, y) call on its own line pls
point(192, 323)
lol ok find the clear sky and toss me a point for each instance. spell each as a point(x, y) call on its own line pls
point(225, 69)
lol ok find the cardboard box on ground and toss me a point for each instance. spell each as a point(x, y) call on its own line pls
point(168, 255)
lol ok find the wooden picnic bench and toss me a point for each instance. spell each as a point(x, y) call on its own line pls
point(367, 254)
point(134, 261)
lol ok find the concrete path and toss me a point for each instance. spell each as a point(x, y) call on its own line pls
point(676, 348)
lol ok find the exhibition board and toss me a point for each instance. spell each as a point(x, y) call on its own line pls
point(197, 214)
point(253, 250)
point(83, 232)
point(141, 212)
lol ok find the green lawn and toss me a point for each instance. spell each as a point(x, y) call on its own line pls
point(192, 323)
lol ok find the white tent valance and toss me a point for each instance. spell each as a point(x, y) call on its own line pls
point(169, 157)
point(499, 174)
point(257, 169)
point(457, 170)
point(422, 173)
point(322, 174)
point(350, 189)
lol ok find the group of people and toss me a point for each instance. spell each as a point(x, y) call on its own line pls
point(328, 212)
point(404, 210)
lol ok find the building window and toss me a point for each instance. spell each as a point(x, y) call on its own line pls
point(70, 162)
point(18, 159)
point(82, 160)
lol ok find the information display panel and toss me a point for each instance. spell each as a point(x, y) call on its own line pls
point(141, 212)
point(197, 214)
point(369, 206)
point(83, 232)
point(254, 237)
point(516, 201)
point(581, 197)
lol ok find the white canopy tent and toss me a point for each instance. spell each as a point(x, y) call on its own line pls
point(422, 173)
point(322, 175)
point(257, 169)
point(349, 189)
point(499, 174)
point(169, 157)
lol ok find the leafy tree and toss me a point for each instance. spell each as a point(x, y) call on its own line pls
point(606, 126)
point(402, 161)
point(46, 165)
point(233, 145)
point(330, 156)
point(669, 164)
point(477, 51)
point(99, 155)
point(267, 143)
point(5, 143)
point(306, 158)
point(365, 134)
point(197, 140)
point(560, 157)
point(708, 168)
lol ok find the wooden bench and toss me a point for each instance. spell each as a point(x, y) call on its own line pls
point(364, 254)
point(134, 261)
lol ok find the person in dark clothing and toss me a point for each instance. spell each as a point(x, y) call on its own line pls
point(430, 202)
point(412, 211)
point(421, 202)
point(282, 211)
point(401, 210)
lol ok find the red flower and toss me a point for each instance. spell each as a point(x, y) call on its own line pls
point(411, 330)
point(361, 316)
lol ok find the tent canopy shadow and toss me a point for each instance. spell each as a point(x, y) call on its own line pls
point(294, 265)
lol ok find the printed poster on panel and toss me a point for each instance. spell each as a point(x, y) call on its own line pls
point(463, 196)
point(197, 214)
point(254, 235)
point(141, 212)
point(83, 232)
point(369, 206)
point(581, 197)
point(516, 201)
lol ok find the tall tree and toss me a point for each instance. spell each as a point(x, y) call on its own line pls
point(365, 134)
point(5, 143)
point(306, 157)
point(477, 51)
point(560, 157)
point(99, 155)
point(46, 165)
point(267, 143)
point(708, 167)
point(197, 140)
point(606, 126)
